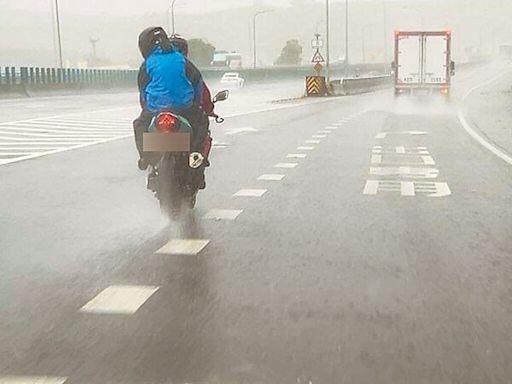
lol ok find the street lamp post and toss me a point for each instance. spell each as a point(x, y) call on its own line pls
point(59, 39)
point(327, 47)
point(254, 33)
point(346, 38)
point(173, 20)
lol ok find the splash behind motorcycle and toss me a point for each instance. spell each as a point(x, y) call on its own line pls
point(174, 169)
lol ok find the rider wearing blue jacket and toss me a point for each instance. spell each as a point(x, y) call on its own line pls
point(168, 81)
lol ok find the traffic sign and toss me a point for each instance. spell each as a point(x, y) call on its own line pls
point(317, 58)
point(317, 42)
point(316, 86)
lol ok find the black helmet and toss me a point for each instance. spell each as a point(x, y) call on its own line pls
point(150, 38)
point(179, 43)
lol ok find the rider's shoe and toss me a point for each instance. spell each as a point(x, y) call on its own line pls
point(201, 182)
point(143, 164)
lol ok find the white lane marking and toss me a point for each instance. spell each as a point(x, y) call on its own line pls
point(25, 153)
point(271, 177)
point(304, 148)
point(313, 141)
point(400, 150)
point(119, 299)
point(286, 165)
point(183, 247)
point(409, 172)
point(377, 146)
point(371, 187)
point(61, 134)
point(67, 115)
point(32, 380)
point(79, 146)
point(331, 128)
point(376, 159)
point(324, 132)
point(296, 156)
point(319, 136)
point(223, 214)
point(422, 148)
point(79, 123)
point(377, 151)
point(422, 152)
point(236, 131)
point(479, 139)
point(428, 160)
point(442, 190)
point(383, 135)
point(407, 188)
point(250, 193)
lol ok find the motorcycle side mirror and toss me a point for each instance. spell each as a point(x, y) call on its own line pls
point(221, 96)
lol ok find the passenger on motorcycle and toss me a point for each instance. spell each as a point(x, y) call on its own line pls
point(168, 81)
point(207, 105)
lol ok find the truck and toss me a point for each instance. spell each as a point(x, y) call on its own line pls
point(423, 63)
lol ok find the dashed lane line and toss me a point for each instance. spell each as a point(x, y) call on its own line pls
point(319, 136)
point(183, 247)
point(305, 148)
point(271, 177)
point(296, 156)
point(286, 165)
point(313, 141)
point(119, 300)
point(250, 193)
point(223, 214)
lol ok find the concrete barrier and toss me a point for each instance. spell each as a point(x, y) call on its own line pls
point(357, 85)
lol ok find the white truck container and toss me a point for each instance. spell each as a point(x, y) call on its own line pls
point(423, 63)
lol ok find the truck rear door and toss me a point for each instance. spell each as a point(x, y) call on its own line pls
point(435, 59)
point(409, 59)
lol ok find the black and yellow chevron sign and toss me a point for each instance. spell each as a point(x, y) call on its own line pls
point(315, 86)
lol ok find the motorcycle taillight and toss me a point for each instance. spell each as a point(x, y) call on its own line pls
point(166, 122)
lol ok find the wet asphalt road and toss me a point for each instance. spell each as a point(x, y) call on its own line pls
point(384, 256)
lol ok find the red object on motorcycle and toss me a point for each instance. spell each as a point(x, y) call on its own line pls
point(166, 122)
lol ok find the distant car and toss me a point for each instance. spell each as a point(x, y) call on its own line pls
point(233, 78)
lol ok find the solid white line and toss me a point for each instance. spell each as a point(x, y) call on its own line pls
point(483, 142)
point(119, 300)
point(32, 380)
point(10, 161)
point(15, 154)
point(184, 247)
point(67, 114)
point(271, 177)
point(62, 134)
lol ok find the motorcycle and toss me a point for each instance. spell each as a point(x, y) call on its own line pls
point(174, 169)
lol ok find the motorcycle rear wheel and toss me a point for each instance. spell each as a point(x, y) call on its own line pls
point(170, 193)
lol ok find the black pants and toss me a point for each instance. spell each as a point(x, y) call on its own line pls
point(195, 116)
